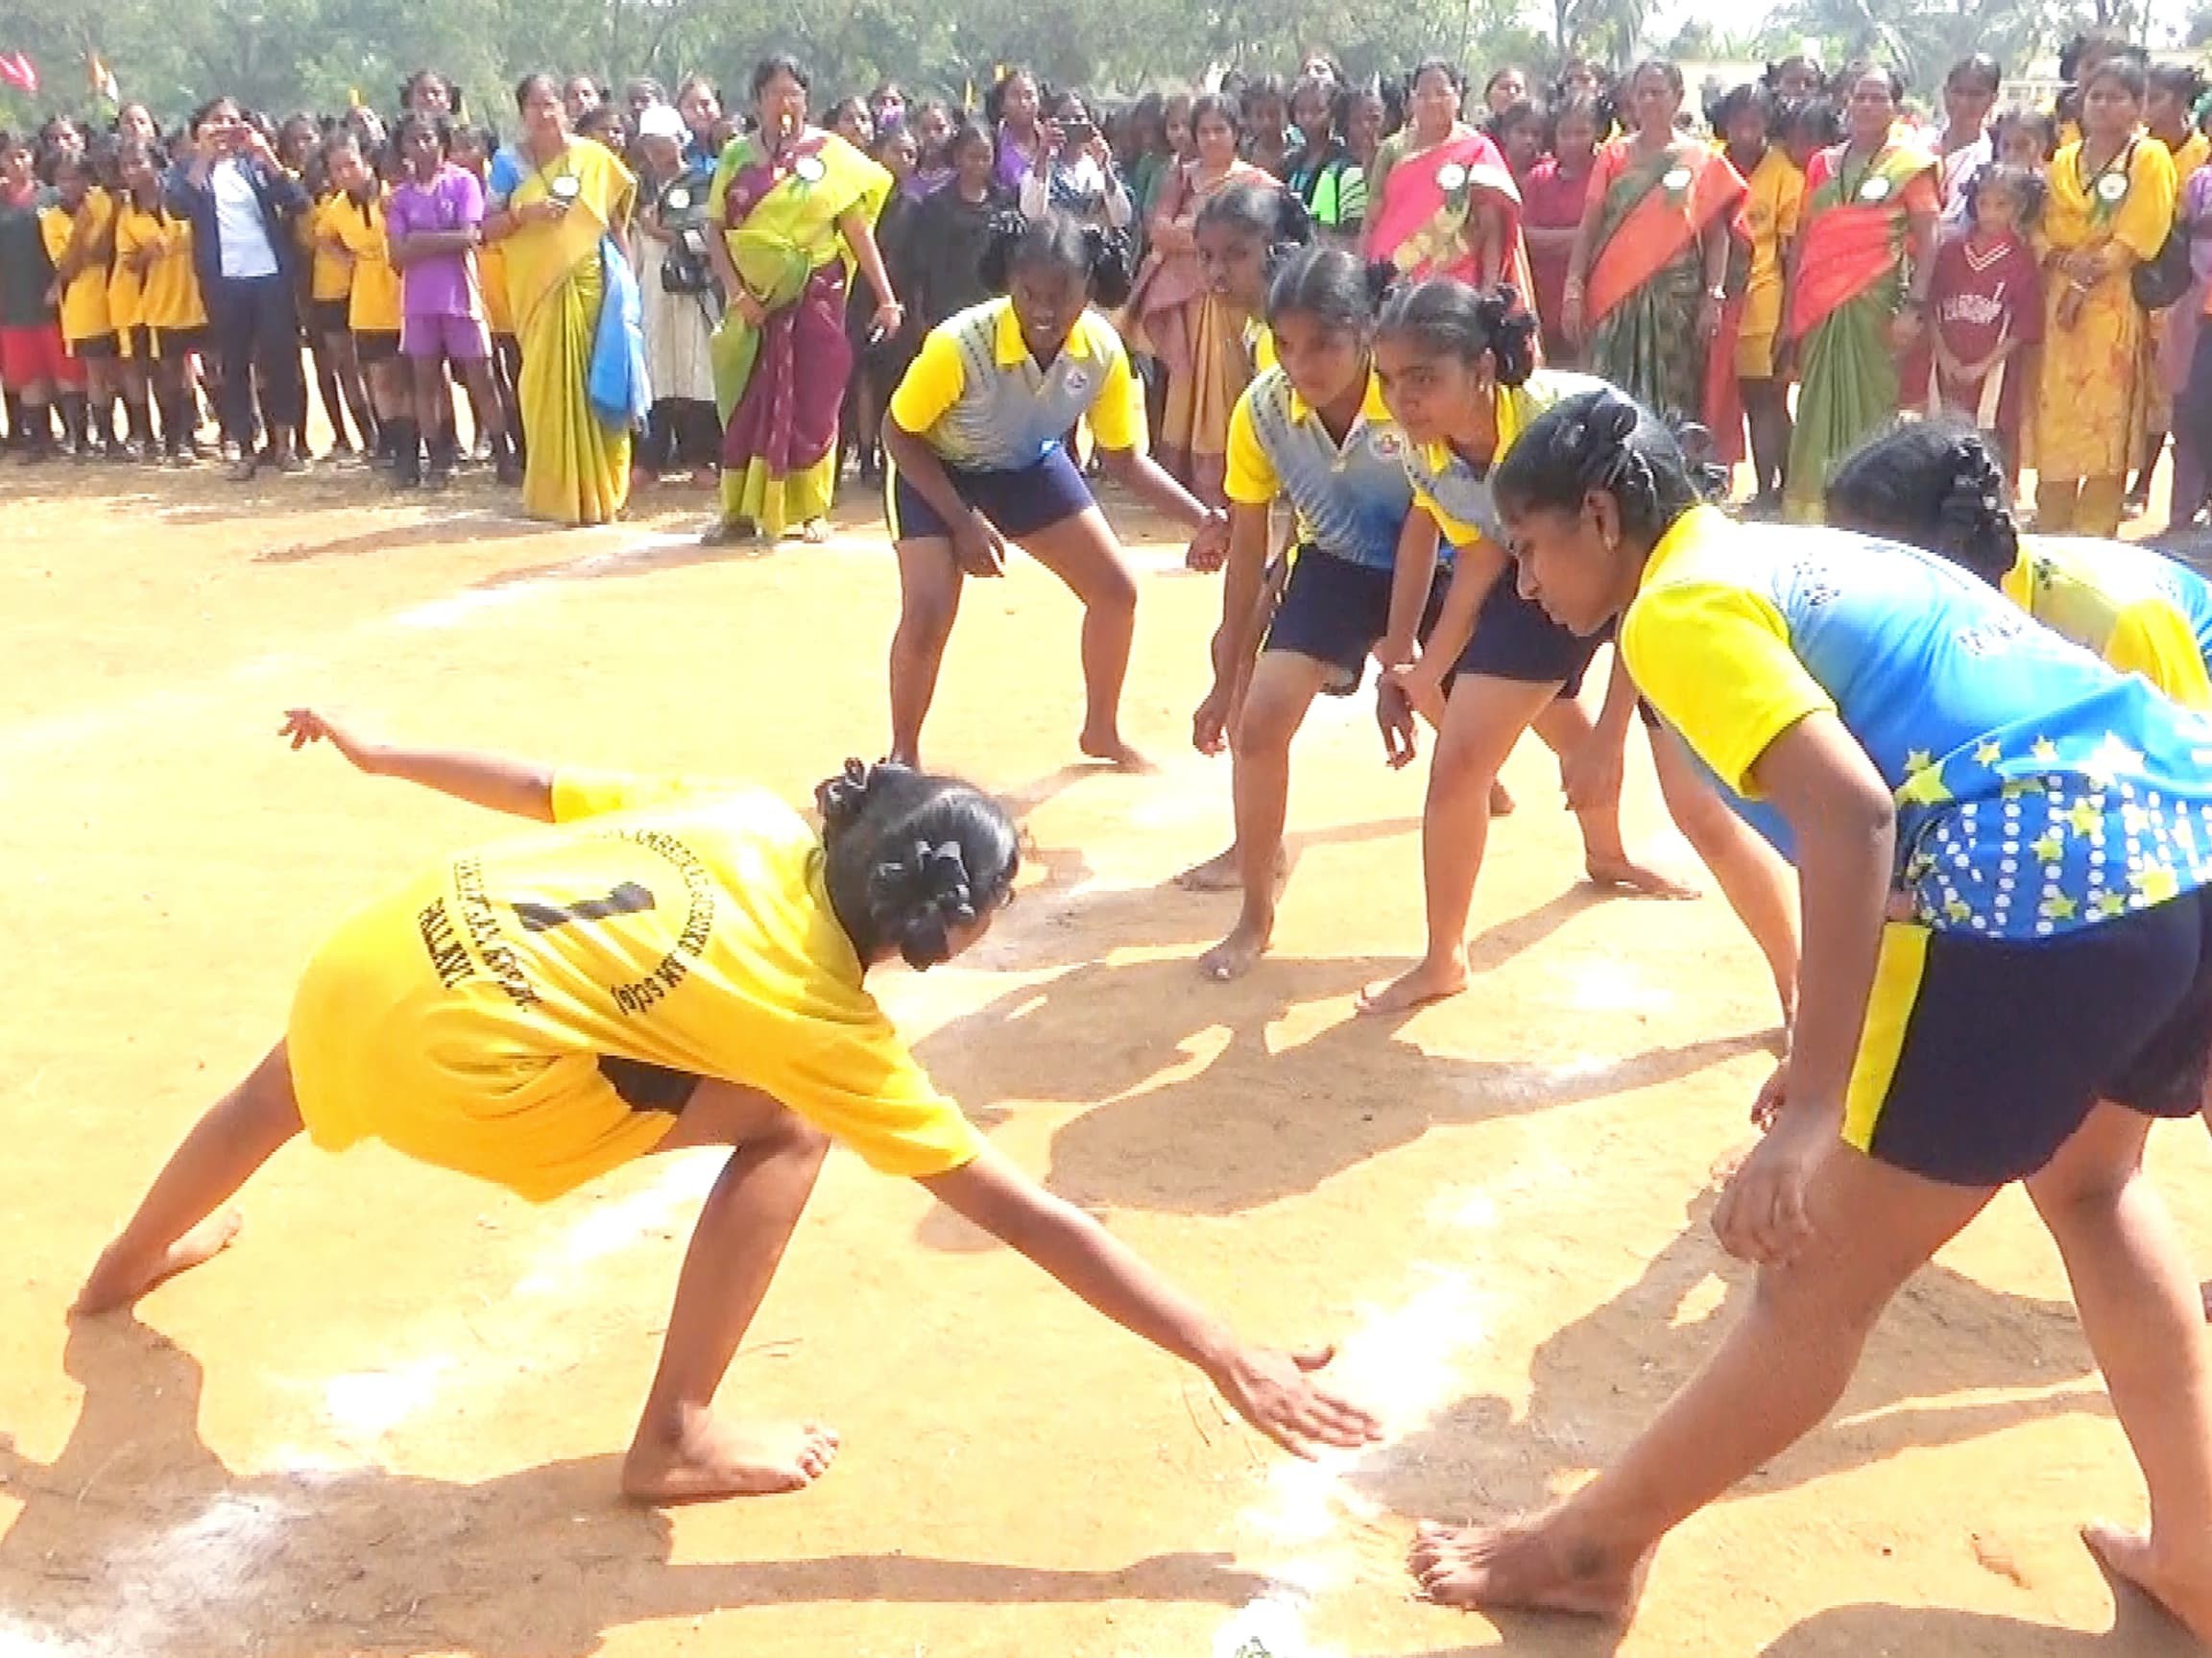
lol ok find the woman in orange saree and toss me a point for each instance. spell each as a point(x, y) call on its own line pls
point(1441, 200)
point(1869, 218)
point(1647, 283)
point(555, 200)
point(1196, 334)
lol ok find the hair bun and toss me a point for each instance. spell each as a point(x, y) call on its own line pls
point(843, 798)
point(1612, 417)
point(918, 898)
point(1381, 276)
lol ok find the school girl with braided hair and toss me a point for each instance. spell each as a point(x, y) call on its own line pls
point(673, 965)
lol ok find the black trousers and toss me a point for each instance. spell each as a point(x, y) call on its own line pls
point(255, 324)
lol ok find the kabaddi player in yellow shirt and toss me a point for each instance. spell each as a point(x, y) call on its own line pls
point(1938, 486)
point(975, 440)
point(78, 231)
point(1893, 724)
point(673, 965)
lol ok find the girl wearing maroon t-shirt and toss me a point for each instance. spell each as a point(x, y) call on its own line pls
point(1987, 302)
point(1553, 196)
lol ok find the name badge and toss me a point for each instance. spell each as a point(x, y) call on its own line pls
point(1875, 189)
point(2112, 190)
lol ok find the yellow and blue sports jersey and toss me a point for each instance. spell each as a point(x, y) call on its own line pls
point(2135, 607)
point(1454, 492)
point(1352, 498)
point(976, 397)
point(2037, 791)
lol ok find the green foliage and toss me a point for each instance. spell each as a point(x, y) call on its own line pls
point(282, 55)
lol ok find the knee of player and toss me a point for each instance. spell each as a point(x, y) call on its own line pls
point(1113, 592)
point(791, 1137)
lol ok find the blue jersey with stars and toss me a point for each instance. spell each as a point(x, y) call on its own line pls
point(2037, 791)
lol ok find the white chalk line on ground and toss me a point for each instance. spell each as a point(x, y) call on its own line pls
point(1406, 1363)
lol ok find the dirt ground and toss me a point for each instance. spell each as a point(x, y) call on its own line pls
point(388, 1422)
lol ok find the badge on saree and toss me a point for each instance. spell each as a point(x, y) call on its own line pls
point(810, 169)
point(566, 188)
point(2112, 190)
point(1677, 179)
point(677, 200)
point(1875, 189)
point(1451, 176)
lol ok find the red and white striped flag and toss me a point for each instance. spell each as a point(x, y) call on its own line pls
point(18, 71)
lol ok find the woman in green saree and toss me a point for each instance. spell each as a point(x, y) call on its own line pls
point(790, 205)
point(1868, 220)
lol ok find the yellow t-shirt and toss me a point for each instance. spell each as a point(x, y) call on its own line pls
point(168, 296)
point(376, 304)
point(976, 397)
point(491, 271)
point(1771, 214)
point(331, 275)
point(2109, 598)
point(679, 925)
point(84, 312)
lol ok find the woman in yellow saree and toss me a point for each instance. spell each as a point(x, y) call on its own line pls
point(2110, 206)
point(555, 199)
point(789, 206)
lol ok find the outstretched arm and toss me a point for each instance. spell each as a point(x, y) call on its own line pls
point(1269, 1389)
point(523, 788)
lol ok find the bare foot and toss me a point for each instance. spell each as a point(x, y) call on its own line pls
point(1429, 981)
point(117, 1281)
point(1501, 802)
point(2207, 1294)
point(1519, 1565)
point(1224, 871)
point(1108, 747)
point(1620, 870)
point(710, 1458)
point(2183, 1592)
point(1233, 957)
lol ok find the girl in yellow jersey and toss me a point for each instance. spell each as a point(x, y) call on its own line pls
point(1938, 486)
point(1897, 727)
point(977, 461)
point(329, 289)
point(131, 369)
point(474, 148)
point(79, 228)
point(355, 228)
point(673, 966)
point(156, 247)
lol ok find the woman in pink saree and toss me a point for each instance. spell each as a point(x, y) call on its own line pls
point(1441, 200)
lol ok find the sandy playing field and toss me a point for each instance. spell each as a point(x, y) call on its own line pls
point(389, 1420)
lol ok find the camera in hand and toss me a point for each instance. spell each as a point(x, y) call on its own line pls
point(685, 269)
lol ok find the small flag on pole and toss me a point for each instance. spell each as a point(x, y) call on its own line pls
point(103, 80)
point(18, 71)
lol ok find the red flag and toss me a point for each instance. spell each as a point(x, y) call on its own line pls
point(17, 70)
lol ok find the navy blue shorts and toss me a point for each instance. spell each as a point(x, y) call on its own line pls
point(1514, 639)
point(1034, 497)
point(1981, 1057)
point(1336, 612)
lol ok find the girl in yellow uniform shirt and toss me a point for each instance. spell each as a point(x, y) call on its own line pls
point(338, 373)
point(974, 442)
point(355, 227)
point(1894, 726)
point(79, 228)
point(1938, 486)
point(171, 328)
point(673, 966)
